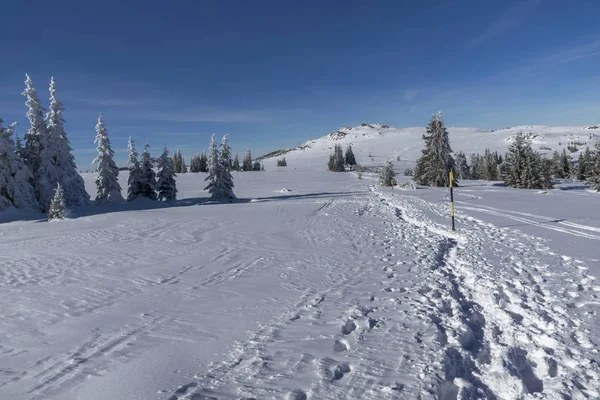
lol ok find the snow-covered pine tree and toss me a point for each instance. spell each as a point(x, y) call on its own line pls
point(203, 162)
point(594, 168)
point(530, 175)
point(247, 164)
point(147, 176)
point(214, 167)
point(336, 160)
point(565, 164)
point(490, 165)
point(476, 170)
point(60, 151)
point(19, 148)
point(515, 161)
point(36, 134)
point(433, 166)
point(236, 163)
point(349, 158)
point(580, 169)
point(166, 185)
point(387, 176)
point(225, 181)
point(462, 168)
point(57, 209)
point(15, 177)
point(134, 182)
point(107, 184)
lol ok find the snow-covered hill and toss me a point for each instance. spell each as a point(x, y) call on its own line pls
point(376, 143)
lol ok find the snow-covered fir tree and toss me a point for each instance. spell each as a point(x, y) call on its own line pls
point(462, 168)
point(546, 173)
point(37, 133)
point(433, 166)
point(58, 208)
point(515, 160)
point(213, 166)
point(565, 164)
point(225, 182)
point(134, 182)
point(490, 166)
point(166, 185)
point(19, 148)
point(476, 169)
point(15, 177)
point(236, 163)
point(59, 150)
point(107, 184)
point(557, 171)
point(349, 157)
point(147, 176)
point(247, 164)
point(594, 168)
point(39, 151)
point(387, 176)
point(336, 160)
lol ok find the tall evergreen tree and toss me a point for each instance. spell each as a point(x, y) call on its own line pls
point(224, 187)
point(387, 177)
point(166, 185)
point(236, 163)
point(515, 160)
point(214, 167)
point(134, 182)
point(350, 159)
point(107, 184)
point(247, 164)
point(565, 164)
point(336, 159)
point(182, 166)
point(176, 162)
point(36, 134)
point(59, 150)
point(462, 168)
point(147, 176)
point(15, 177)
point(490, 166)
point(57, 209)
point(557, 170)
point(594, 168)
point(524, 168)
point(203, 162)
point(433, 166)
point(477, 169)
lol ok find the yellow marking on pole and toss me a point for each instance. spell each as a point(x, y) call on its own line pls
point(451, 178)
point(452, 208)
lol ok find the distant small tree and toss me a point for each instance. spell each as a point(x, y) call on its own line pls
point(57, 209)
point(134, 182)
point(236, 163)
point(350, 159)
point(256, 166)
point(203, 165)
point(408, 172)
point(387, 177)
point(195, 163)
point(247, 164)
point(282, 162)
point(182, 165)
point(594, 174)
point(565, 164)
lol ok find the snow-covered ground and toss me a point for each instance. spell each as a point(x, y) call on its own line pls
point(374, 144)
point(315, 285)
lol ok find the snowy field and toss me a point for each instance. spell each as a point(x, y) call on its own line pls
point(315, 285)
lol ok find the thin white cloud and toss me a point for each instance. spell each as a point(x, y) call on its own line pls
point(510, 19)
point(204, 116)
point(584, 50)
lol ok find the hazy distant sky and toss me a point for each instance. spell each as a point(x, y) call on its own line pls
point(273, 74)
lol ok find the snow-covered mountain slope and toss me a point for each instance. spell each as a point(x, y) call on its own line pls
point(314, 285)
point(373, 144)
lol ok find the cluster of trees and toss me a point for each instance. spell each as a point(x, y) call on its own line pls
point(525, 168)
point(199, 163)
point(32, 173)
point(220, 181)
point(338, 161)
point(486, 166)
point(281, 162)
point(179, 163)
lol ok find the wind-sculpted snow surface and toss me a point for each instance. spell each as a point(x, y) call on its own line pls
point(329, 290)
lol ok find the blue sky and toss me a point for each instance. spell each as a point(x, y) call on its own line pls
point(273, 74)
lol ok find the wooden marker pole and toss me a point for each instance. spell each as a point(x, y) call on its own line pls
point(452, 198)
